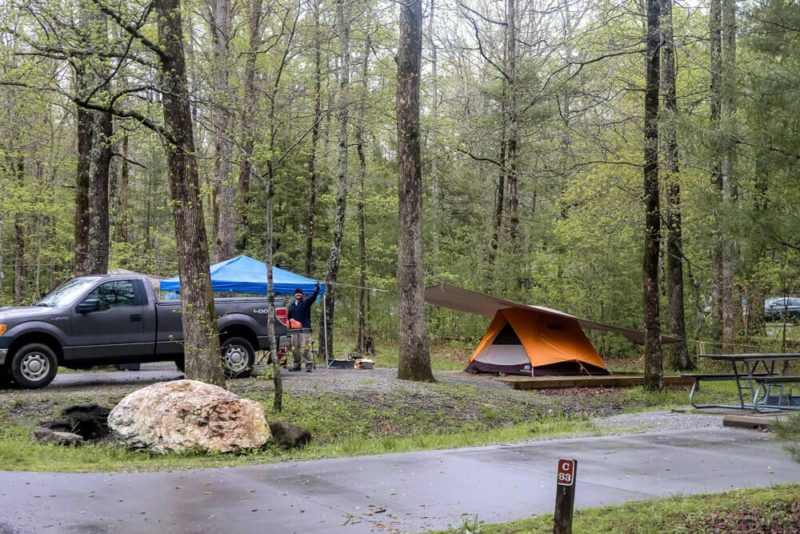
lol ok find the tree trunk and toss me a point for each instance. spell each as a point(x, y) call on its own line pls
point(501, 183)
point(201, 339)
point(312, 156)
point(730, 309)
point(653, 367)
point(715, 30)
point(343, 8)
point(99, 243)
point(277, 378)
point(362, 343)
point(223, 212)
point(18, 168)
point(415, 361)
point(248, 119)
point(123, 194)
point(679, 353)
point(82, 179)
point(436, 208)
point(512, 129)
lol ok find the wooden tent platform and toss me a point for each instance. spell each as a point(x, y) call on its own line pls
point(608, 381)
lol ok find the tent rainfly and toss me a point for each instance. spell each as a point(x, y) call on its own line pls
point(529, 340)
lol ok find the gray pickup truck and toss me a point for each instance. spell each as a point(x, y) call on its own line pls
point(117, 319)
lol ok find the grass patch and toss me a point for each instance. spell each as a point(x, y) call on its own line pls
point(775, 509)
point(342, 430)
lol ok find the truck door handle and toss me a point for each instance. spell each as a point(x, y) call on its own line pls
point(136, 318)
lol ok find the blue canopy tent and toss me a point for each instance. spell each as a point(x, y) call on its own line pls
point(243, 274)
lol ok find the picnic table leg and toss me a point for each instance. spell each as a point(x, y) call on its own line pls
point(739, 384)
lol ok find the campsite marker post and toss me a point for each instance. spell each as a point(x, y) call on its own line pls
point(565, 495)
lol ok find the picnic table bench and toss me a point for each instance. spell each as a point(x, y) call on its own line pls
point(763, 382)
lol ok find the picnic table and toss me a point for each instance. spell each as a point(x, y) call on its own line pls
point(763, 381)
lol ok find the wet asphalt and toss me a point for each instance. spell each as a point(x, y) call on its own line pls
point(410, 492)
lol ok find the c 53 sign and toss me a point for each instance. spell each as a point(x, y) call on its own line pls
point(565, 495)
point(566, 472)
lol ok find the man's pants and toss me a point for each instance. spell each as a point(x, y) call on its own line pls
point(301, 345)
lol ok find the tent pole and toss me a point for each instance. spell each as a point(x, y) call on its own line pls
point(325, 327)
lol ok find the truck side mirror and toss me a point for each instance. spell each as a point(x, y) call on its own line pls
point(88, 305)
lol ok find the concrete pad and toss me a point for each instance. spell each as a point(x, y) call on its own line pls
point(411, 492)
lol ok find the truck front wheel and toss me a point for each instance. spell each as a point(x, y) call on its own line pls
point(238, 357)
point(34, 366)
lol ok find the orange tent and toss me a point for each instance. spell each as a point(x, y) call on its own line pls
point(526, 339)
point(520, 341)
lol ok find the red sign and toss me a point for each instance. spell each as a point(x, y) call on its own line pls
point(566, 472)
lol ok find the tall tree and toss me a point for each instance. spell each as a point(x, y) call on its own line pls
point(84, 130)
point(415, 361)
point(313, 178)
point(363, 344)
point(223, 210)
point(17, 167)
point(201, 340)
point(249, 112)
point(730, 313)
point(679, 353)
point(432, 140)
point(715, 48)
point(512, 125)
point(343, 10)
point(99, 239)
point(95, 129)
point(653, 368)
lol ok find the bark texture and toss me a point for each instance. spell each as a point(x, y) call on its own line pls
point(363, 344)
point(343, 8)
point(311, 215)
point(99, 241)
point(201, 341)
point(679, 354)
point(500, 195)
point(415, 361)
point(436, 194)
point(223, 212)
point(512, 128)
point(653, 366)
point(18, 168)
point(82, 180)
point(715, 44)
point(248, 118)
point(730, 308)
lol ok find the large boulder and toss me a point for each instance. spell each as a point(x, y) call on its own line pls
point(186, 415)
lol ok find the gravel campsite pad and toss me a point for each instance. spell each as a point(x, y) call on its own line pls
point(457, 401)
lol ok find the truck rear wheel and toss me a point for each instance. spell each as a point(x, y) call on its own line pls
point(34, 366)
point(238, 357)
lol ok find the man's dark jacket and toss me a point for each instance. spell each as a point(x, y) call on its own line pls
point(301, 311)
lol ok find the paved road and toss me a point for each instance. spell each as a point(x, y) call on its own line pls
point(410, 492)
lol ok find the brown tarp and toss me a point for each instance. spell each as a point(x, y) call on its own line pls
point(456, 298)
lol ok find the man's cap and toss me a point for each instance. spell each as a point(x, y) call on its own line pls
point(297, 290)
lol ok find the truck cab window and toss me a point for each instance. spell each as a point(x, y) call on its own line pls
point(114, 294)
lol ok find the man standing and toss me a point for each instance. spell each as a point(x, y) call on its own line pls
point(300, 311)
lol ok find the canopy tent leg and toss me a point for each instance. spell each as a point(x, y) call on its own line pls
point(325, 328)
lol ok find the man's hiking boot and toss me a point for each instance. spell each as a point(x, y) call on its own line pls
point(295, 368)
point(309, 367)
